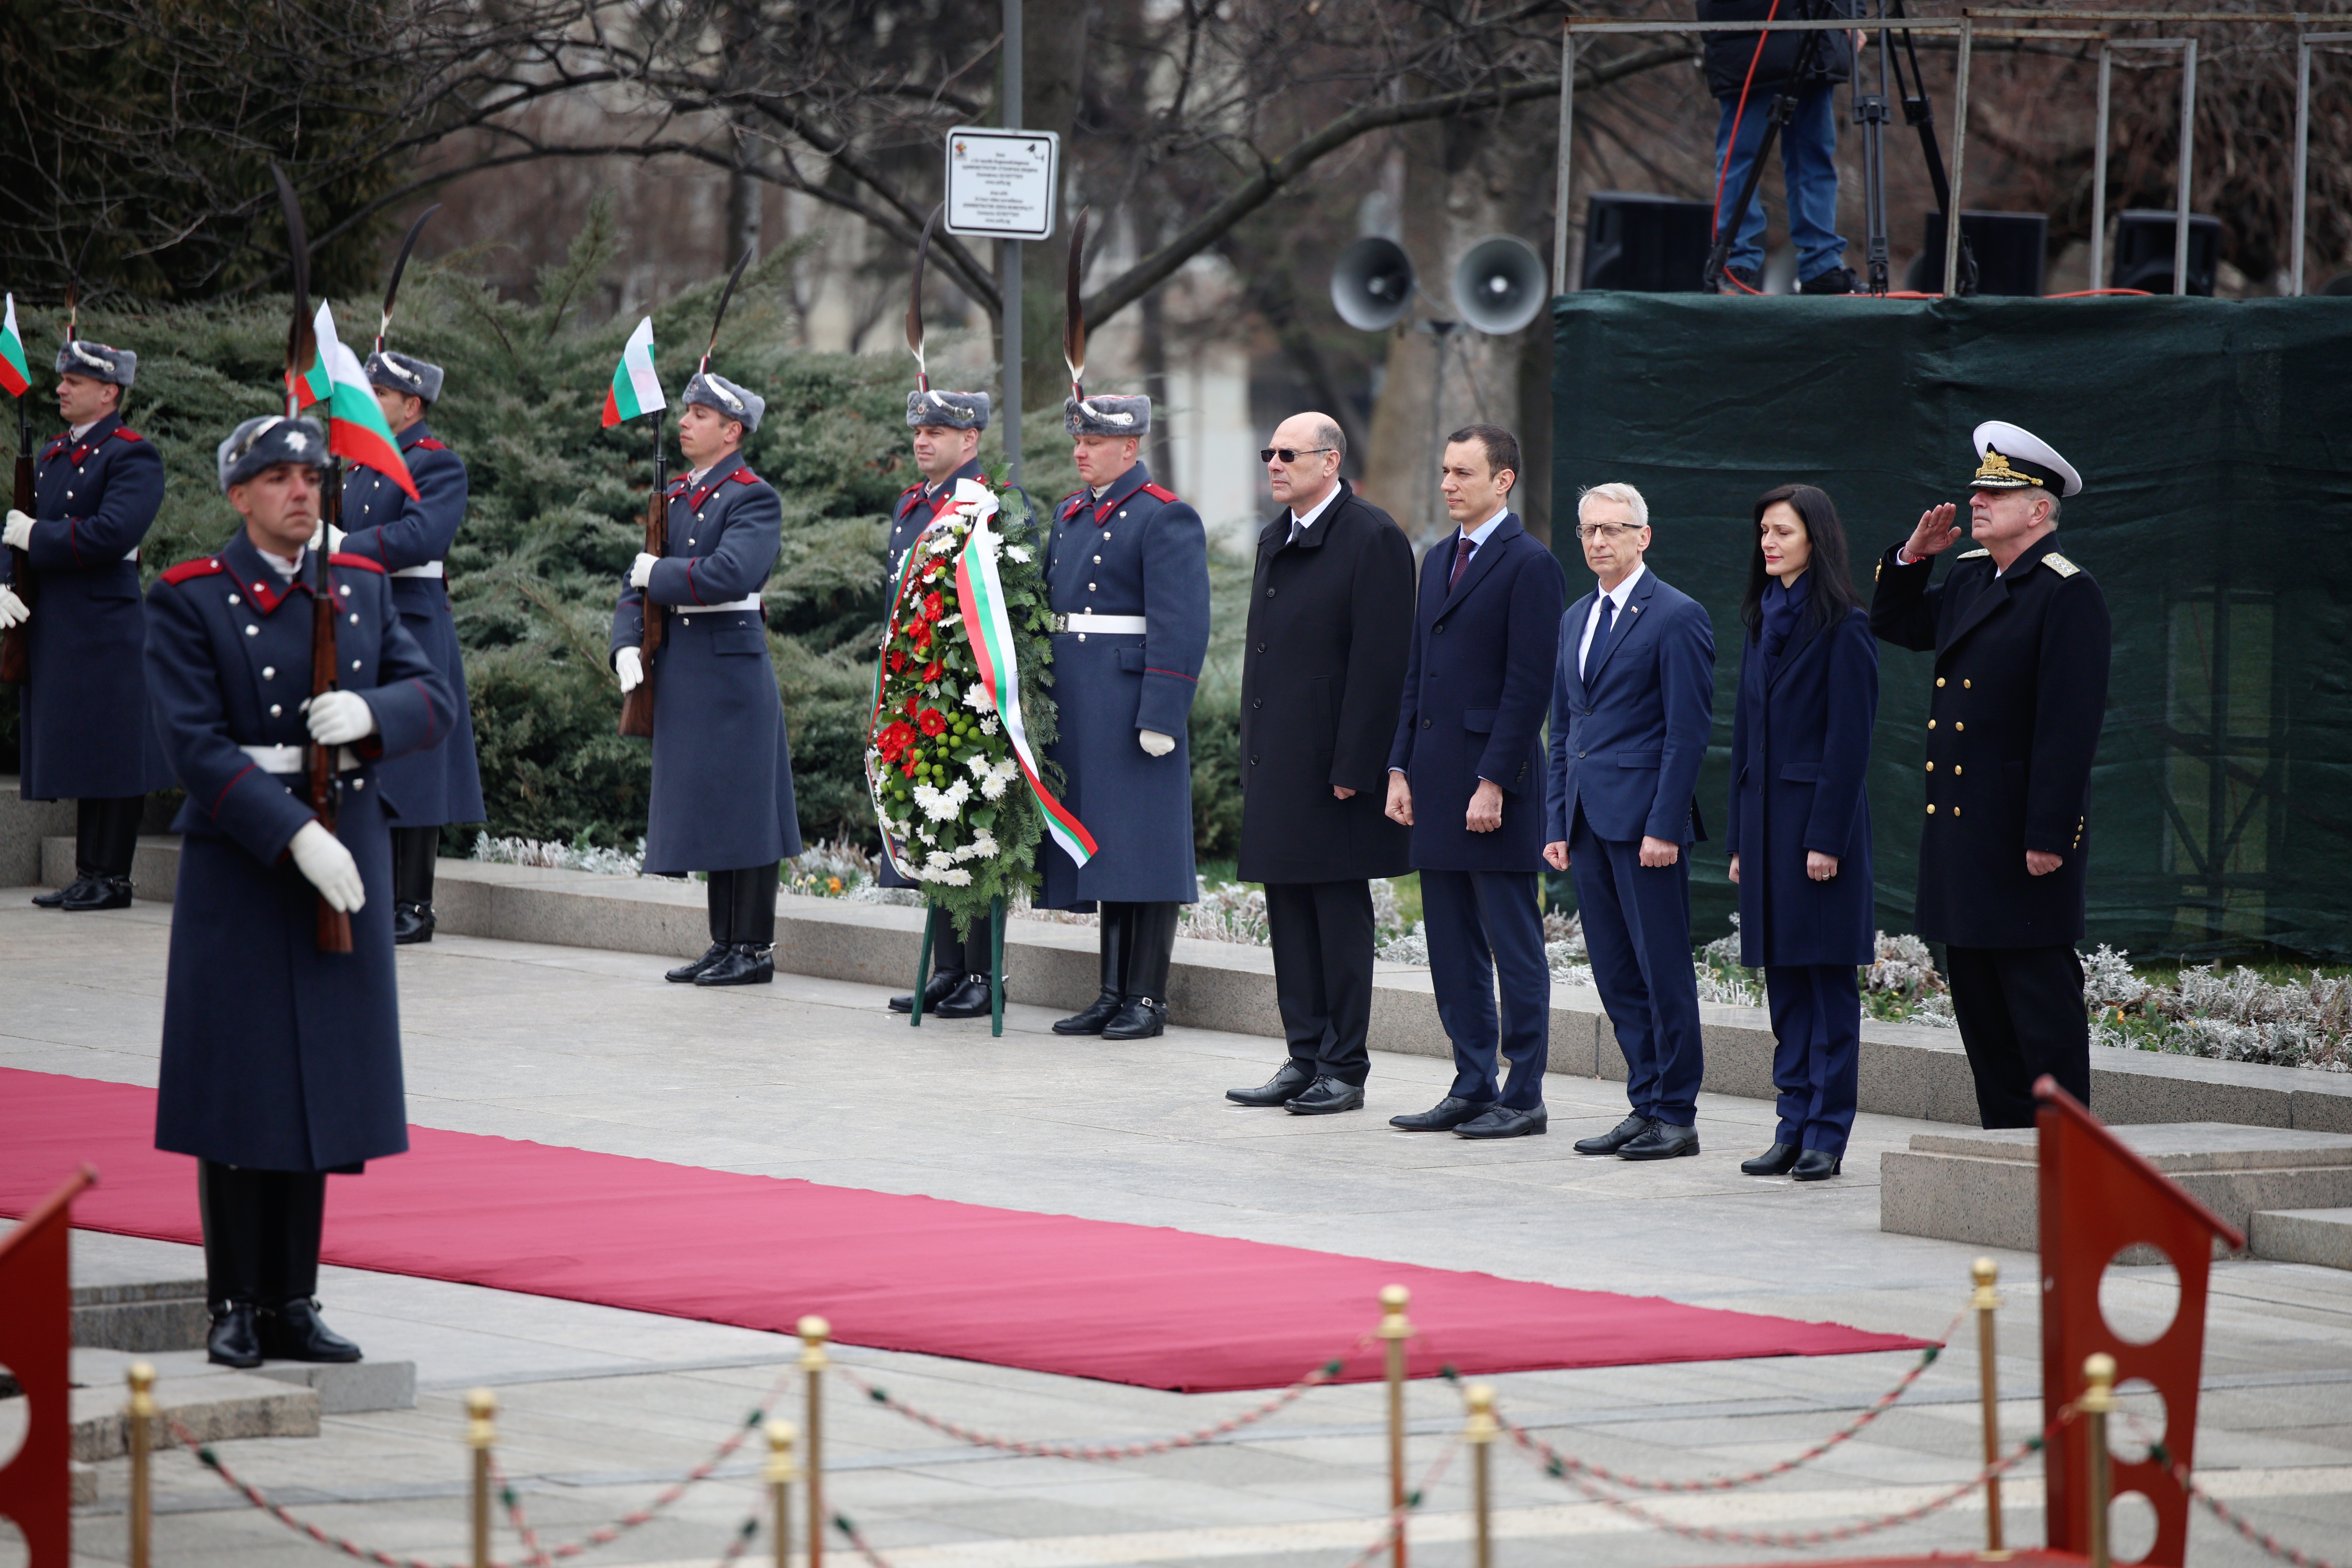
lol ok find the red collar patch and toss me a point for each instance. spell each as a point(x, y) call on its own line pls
point(202, 567)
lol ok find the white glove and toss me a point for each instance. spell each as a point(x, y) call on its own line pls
point(1154, 742)
point(641, 571)
point(335, 537)
point(14, 611)
point(19, 534)
point(339, 717)
point(321, 856)
point(629, 664)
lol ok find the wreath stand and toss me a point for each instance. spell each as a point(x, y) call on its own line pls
point(996, 967)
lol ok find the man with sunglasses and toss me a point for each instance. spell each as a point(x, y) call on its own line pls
point(1321, 673)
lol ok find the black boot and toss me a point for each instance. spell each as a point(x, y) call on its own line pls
point(1114, 918)
point(97, 893)
point(1151, 943)
point(971, 999)
point(293, 1330)
point(687, 973)
point(745, 963)
point(750, 894)
point(231, 1203)
point(56, 896)
point(947, 967)
point(718, 897)
point(415, 852)
point(235, 1337)
point(106, 836)
point(288, 1323)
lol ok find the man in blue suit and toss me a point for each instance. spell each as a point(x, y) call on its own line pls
point(1466, 774)
point(1631, 703)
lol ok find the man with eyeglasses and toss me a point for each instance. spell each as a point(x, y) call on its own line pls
point(1321, 671)
point(1632, 702)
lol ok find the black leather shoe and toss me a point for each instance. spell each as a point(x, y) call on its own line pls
point(412, 922)
point(1504, 1122)
point(293, 1331)
point(234, 1339)
point(744, 964)
point(1444, 1116)
point(1816, 1165)
point(97, 893)
point(56, 896)
point(1662, 1141)
point(969, 1000)
point(1104, 1008)
point(687, 973)
point(1836, 281)
point(1281, 1087)
point(1773, 1162)
point(1325, 1096)
point(1139, 1018)
point(1616, 1138)
point(936, 990)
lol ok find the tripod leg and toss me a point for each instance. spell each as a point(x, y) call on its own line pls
point(1727, 234)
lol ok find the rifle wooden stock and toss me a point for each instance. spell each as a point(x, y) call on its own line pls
point(334, 933)
point(15, 651)
point(638, 707)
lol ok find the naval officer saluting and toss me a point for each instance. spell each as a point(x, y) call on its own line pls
point(2021, 640)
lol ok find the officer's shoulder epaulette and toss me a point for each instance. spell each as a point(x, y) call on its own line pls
point(202, 567)
point(128, 435)
point(1158, 493)
point(363, 562)
point(1971, 555)
point(2060, 564)
point(746, 477)
point(431, 445)
point(910, 489)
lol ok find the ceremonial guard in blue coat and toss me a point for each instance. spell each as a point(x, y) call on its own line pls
point(1128, 572)
point(946, 426)
point(281, 1062)
point(2021, 640)
point(410, 540)
point(722, 785)
point(1798, 830)
point(82, 720)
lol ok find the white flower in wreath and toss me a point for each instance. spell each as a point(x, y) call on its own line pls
point(941, 541)
point(1019, 553)
point(983, 846)
point(993, 784)
point(956, 878)
point(939, 860)
point(926, 835)
point(976, 698)
point(987, 725)
point(978, 763)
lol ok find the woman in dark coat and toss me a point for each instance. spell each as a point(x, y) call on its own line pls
point(1800, 836)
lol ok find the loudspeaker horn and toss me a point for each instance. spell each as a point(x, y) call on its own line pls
point(1499, 284)
point(1371, 285)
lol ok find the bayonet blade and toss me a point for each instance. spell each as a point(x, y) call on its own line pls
point(301, 337)
point(399, 266)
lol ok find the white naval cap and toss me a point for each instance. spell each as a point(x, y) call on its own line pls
point(2012, 457)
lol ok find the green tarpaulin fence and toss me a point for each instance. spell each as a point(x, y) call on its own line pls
point(2215, 442)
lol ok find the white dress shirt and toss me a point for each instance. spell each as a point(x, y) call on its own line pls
point(78, 431)
point(1617, 597)
point(1300, 525)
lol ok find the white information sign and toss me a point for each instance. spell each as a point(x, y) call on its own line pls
point(1001, 183)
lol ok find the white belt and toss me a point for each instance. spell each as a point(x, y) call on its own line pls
point(430, 569)
point(296, 759)
point(750, 603)
point(1108, 626)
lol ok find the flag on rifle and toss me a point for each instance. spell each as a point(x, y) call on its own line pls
point(16, 376)
point(355, 422)
point(635, 388)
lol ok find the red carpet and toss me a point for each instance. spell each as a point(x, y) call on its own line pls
point(1126, 1303)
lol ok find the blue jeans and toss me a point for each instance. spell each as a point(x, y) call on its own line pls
point(1809, 167)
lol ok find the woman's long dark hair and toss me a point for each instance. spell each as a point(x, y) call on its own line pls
point(1833, 593)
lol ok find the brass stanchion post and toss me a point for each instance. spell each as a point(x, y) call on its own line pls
point(780, 1478)
point(813, 1333)
point(1395, 1330)
point(1480, 1432)
point(142, 1412)
point(480, 1405)
point(1985, 1271)
point(2097, 1402)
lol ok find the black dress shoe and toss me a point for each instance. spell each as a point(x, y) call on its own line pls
point(97, 893)
point(1139, 1018)
point(687, 973)
point(412, 922)
point(1616, 1138)
point(1773, 1162)
point(293, 1331)
point(1275, 1091)
point(1502, 1121)
point(56, 896)
point(1104, 1008)
point(1444, 1116)
point(234, 1339)
point(936, 990)
point(744, 964)
point(1816, 1165)
point(1662, 1141)
point(969, 1000)
point(1325, 1096)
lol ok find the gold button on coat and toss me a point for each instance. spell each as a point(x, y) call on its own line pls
point(1931, 808)
point(1939, 680)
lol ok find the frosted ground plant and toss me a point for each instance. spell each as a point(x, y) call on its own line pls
point(549, 854)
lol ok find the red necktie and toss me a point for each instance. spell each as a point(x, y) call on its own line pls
point(1464, 548)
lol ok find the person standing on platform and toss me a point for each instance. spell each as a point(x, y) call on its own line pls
point(2022, 641)
point(946, 426)
point(1633, 702)
point(1799, 834)
point(1322, 671)
point(410, 540)
point(1747, 72)
point(1128, 572)
point(722, 785)
point(82, 720)
point(1467, 775)
point(281, 1062)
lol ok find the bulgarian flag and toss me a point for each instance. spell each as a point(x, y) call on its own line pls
point(635, 388)
point(14, 374)
point(989, 627)
point(355, 423)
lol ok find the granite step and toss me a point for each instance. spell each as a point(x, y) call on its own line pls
point(2322, 1236)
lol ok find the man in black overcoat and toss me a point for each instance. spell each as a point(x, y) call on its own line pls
point(2021, 640)
point(1321, 676)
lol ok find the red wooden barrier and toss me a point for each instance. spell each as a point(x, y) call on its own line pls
point(36, 1346)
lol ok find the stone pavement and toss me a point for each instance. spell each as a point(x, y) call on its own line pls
point(809, 1078)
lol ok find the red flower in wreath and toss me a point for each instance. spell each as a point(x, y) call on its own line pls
point(908, 707)
point(920, 635)
point(933, 670)
point(898, 660)
point(894, 741)
point(913, 762)
point(930, 721)
point(933, 606)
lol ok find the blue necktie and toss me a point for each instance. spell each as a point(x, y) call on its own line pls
point(1599, 638)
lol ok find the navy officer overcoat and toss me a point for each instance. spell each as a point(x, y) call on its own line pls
point(278, 1056)
point(722, 790)
point(409, 539)
point(83, 720)
point(1137, 551)
point(914, 514)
